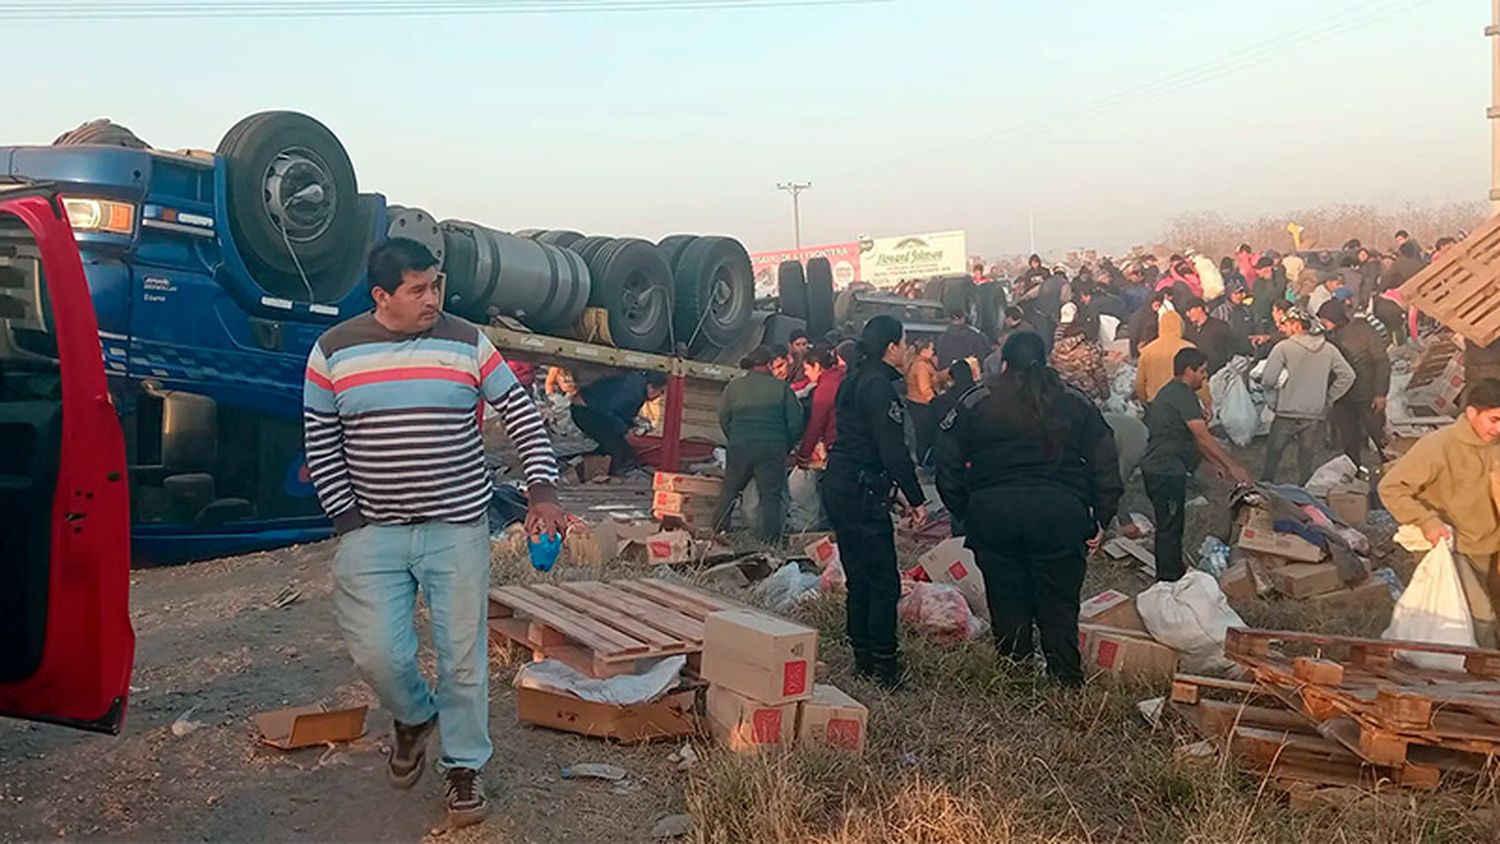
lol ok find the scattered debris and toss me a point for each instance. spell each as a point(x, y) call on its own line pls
point(286, 597)
point(673, 826)
point(594, 771)
point(182, 726)
point(1151, 710)
point(310, 726)
point(684, 757)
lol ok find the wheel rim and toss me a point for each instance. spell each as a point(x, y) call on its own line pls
point(300, 194)
point(725, 298)
point(640, 303)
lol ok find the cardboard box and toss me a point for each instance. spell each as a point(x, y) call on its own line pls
point(1111, 609)
point(950, 562)
point(832, 720)
point(823, 551)
point(682, 504)
point(310, 726)
point(1303, 580)
point(743, 724)
point(1371, 592)
point(1351, 502)
point(1123, 655)
point(670, 547)
point(672, 716)
point(763, 657)
point(1258, 535)
point(593, 467)
point(700, 485)
point(599, 542)
point(1237, 582)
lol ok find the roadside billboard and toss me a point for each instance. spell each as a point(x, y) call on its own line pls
point(843, 257)
point(886, 261)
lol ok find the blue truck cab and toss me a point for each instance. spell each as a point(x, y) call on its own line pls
point(205, 341)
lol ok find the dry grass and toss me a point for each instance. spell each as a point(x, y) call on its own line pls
point(977, 751)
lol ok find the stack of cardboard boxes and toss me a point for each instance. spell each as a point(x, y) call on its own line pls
point(762, 692)
point(1267, 562)
point(686, 500)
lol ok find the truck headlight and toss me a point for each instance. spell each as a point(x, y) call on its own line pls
point(100, 215)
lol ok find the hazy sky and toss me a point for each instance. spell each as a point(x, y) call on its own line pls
point(908, 116)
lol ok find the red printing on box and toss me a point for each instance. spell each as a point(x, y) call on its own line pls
point(765, 726)
point(843, 734)
point(794, 677)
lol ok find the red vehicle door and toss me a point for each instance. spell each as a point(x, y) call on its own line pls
point(66, 644)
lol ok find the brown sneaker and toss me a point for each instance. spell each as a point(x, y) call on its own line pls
point(409, 756)
point(464, 793)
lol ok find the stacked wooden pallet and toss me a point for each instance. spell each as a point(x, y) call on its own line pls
point(1347, 712)
point(602, 629)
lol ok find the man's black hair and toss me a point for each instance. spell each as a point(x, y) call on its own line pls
point(1485, 395)
point(1188, 359)
point(779, 350)
point(393, 259)
point(1194, 302)
point(1403, 233)
point(1443, 243)
point(1281, 305)
point(1015, 313)
point(1159, 297)
point(957, 313)
point(655, 378)
point(797, 334)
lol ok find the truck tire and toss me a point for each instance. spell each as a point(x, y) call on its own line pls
point(791, 289)
point(672, 246)
point(631, 281)
point(588, 246)
point(415, 224)
point(779, 329)
point(562, 238)
point(715, 288)
point(819, 297)
point(464, 292)
point(291, 194)
point(102, 131)
point(529, 234)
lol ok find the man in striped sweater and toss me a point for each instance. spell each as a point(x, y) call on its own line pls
point(391, 404)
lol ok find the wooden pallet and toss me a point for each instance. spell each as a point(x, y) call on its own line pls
point(1386, 712)
point(1461, 287)
point(599, 628)
point(1265, 738)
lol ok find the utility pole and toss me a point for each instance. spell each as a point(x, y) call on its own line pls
point(796, 189)
point(1493, 31)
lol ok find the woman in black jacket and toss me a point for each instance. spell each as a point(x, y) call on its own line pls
point(1030, 467)
point(867, 462)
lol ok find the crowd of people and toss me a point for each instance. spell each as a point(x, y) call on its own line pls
point(1013, 424)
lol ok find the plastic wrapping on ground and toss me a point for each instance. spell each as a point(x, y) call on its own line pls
point(833, 579)
point(622, 690)
point(1213, 556)
point(1122, 392)
point(940, 610)
point(804, 510)
point(1336, 471)
point(1191, 616)
point(785, 589)
point(1433, 609)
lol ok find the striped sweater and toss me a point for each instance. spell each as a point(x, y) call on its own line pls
point(392, 423)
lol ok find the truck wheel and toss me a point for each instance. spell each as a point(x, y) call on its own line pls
point(672, 246)
point(791, 289)
point(715, 292)
point(588, 246)
point(529, 234)
point(559, 237)
point(291, 195)
point(630, 280)
point(819, 297)
point(418, 225)
point(779, 328)
point(101, 131)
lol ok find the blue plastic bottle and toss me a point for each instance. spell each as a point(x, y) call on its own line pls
point(544, 550)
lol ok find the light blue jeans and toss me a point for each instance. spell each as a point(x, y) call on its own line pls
point(377, 571)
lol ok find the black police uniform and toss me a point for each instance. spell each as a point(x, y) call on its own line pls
point(1028, 515)
point(866, 461)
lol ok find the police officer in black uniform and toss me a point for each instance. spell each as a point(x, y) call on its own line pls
point(866, 463)
point(1030, 467)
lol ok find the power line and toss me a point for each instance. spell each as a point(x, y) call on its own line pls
point(48, 10)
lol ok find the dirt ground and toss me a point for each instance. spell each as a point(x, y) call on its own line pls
point(942, 767)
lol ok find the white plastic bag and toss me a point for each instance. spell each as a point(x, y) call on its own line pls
point(1233, 406)
point(1192, 617)
point(1433, 609)
point(1109, 328)
point(1331, 474)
